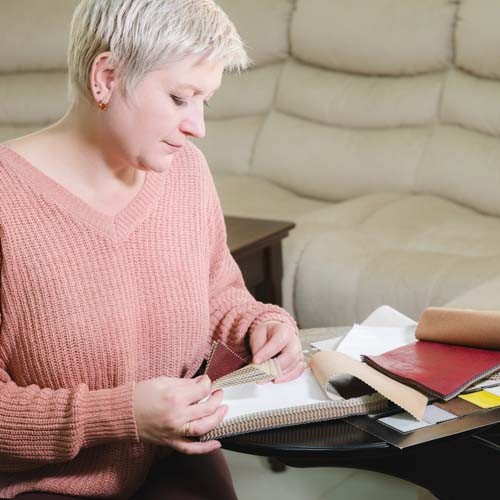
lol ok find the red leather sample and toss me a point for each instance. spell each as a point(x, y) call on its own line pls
point(439, 370)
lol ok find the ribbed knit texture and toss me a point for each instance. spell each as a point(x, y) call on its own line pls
point(93, 303)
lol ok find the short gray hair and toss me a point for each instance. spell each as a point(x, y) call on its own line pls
point(144, 35)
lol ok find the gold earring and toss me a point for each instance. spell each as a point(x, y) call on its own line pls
point(102, 106)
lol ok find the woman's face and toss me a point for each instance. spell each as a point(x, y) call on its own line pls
point(166, 108)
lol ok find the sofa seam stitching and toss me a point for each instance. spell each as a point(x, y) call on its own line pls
point(438, 116)
point(295, 273)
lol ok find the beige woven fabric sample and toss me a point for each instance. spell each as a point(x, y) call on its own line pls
point(268, 370)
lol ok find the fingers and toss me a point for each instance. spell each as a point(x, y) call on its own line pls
point(281, 343)
point(203, 425)
point(291, 363)
point(208, 407)
point(292, 374)
point(196, 389)
point(189, 447)
point(258, 338)
point(203, 418)
point(276, 343)
point(290, 356)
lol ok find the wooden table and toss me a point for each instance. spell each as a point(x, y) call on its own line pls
point(255, 244)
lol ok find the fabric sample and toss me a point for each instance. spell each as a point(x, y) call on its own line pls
point(439, 370)
point(458, 407)
point(222, 361)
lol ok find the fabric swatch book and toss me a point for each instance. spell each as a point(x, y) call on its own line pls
point(455, 348)
point(332, 386)
point(439, 370)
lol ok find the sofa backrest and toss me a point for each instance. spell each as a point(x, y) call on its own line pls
point(346, 97)
point(375, 95)
point(33, 42)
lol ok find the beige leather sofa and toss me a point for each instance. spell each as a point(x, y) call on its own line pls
point(373, 124)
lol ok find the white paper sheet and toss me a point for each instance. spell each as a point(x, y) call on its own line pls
point(251, 398)
point(490, 383)
point(327, 345)
point(434, 415)
point(494, 390)
point(388, 316)
point(383, 330)
point(374, 340)
point(404, 422)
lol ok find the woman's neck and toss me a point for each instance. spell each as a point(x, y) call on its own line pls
point(75, 151)
point(72, 154)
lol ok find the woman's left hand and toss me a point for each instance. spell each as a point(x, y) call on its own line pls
point(275, 339)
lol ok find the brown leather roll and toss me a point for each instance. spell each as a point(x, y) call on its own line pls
point(460, 326)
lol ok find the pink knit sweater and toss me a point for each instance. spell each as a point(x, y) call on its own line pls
point(91, 304)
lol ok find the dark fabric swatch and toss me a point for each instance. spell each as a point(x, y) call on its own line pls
point(350, 387)
point(458, 406)
point(222, 360)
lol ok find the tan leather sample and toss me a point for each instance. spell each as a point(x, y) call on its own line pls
point(326, 364)
point(460, 326)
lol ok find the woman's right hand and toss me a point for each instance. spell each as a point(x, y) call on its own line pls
point(167, 412)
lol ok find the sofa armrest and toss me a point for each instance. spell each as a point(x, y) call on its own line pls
point(484, 297)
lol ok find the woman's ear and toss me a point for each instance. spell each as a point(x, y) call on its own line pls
point(102, 78)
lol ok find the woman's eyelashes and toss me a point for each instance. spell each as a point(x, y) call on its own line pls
point(179, 101)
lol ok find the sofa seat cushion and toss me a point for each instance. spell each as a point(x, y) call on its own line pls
point(249, 196)
point(345, 259)
point(410, 252)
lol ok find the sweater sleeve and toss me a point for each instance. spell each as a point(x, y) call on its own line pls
point(233, 310)
point(44, 426)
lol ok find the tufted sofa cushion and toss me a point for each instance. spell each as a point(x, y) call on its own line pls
point(33, 42)
point(373, 124)
point(384, 87)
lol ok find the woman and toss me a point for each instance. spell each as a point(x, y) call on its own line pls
point(116, 276)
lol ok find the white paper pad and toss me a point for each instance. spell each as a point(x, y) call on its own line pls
point(252, 398)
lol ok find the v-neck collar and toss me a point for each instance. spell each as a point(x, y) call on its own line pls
point(116, 227)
